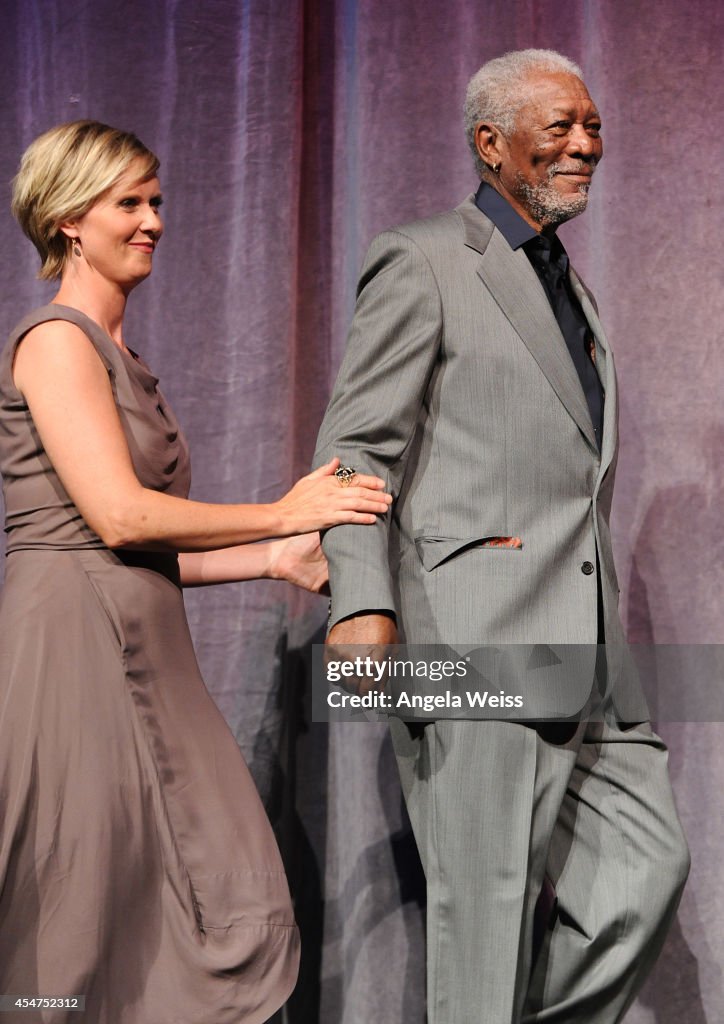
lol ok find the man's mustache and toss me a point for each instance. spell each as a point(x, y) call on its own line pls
point(586, 167)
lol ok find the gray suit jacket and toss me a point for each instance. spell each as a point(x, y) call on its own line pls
point(458, 390)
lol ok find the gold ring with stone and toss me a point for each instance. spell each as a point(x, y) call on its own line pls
point(345, 475)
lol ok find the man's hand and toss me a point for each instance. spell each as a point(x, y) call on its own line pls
point(365, 635)
point(368, 628)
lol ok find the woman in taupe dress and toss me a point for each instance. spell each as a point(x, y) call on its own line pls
point(137, 867)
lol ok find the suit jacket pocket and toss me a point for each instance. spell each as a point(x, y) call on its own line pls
point(433, 551)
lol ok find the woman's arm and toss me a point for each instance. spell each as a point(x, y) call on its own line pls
point(297, 560)
point(69, 396)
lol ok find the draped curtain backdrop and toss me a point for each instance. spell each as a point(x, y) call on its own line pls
point(290, 132)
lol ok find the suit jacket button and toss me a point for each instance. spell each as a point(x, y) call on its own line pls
point(587, 568)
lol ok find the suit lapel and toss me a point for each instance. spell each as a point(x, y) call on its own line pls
point(589, 311)
point(514, 285)
point(606, 371)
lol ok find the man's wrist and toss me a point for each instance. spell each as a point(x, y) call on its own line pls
point(366, 627)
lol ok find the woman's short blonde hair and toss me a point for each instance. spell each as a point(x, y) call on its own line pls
point(62, 173)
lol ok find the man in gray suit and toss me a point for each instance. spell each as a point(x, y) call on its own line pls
point(479, 384)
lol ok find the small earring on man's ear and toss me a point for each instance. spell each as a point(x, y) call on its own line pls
point(76, 247)
point(496, 168)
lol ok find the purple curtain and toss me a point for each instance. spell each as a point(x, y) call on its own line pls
point(290, 133)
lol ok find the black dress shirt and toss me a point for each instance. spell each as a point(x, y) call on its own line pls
point(550, 262)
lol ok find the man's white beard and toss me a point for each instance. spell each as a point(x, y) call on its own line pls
point(547, 205)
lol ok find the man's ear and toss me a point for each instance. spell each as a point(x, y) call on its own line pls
point(488, 143)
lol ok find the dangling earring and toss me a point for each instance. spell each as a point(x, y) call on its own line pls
point(76, 247)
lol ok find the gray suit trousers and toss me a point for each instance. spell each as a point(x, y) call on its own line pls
point(590, 806)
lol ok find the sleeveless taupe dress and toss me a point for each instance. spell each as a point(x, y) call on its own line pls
point(137, 865)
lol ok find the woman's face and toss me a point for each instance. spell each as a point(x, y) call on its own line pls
point(120, 231)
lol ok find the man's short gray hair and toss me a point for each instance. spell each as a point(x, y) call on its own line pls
point(497, 91)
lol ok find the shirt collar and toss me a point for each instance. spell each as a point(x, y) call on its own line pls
point(509, 223)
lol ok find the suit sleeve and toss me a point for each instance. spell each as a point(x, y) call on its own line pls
point(391, 350)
